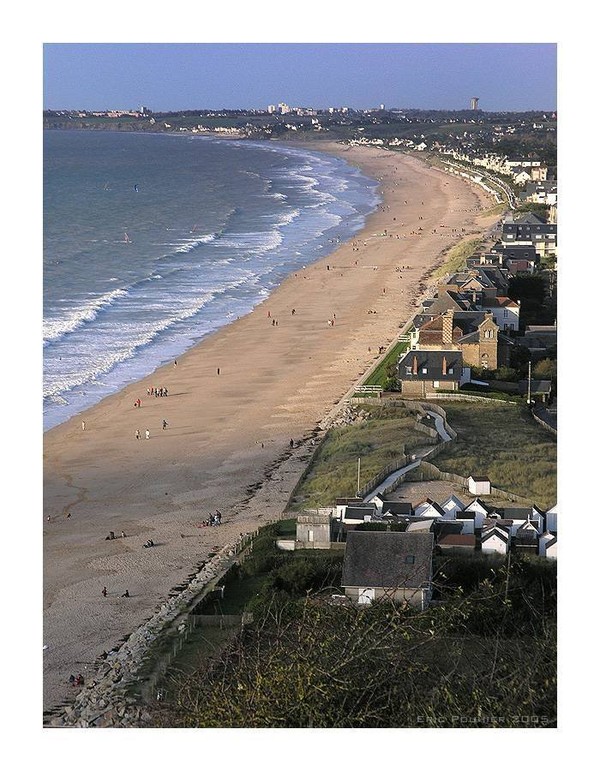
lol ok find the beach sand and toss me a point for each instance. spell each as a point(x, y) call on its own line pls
point(235, 401)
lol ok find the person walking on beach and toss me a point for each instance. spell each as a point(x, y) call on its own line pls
point(83, 425)
point(137, 434)
point(147, 433)
point(164, 424)
point(104, 592)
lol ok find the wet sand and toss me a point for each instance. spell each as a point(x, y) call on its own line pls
point(235, 401)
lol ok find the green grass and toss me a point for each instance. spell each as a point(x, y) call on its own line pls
point(380, 373)
point(379, 441)
point(457, 257)
point(495, 439)
point(503, 442)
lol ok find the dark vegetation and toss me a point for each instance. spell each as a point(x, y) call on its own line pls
point(483, 655)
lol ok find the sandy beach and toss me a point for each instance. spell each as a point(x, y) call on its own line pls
point(235, 401)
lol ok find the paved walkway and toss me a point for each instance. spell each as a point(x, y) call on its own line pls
point(417, 457)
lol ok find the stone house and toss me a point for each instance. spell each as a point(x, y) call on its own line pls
point(390, 566)
point(420, 373)
point(474, 333)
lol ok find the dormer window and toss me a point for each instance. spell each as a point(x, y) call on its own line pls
point(409, 559)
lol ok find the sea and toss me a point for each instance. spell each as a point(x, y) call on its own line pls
point(151, 242)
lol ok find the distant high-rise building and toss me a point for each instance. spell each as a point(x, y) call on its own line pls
point(474, 103)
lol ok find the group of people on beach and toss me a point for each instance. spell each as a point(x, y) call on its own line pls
point(213, 520)
point(157, 391)
point(138, 435)
point(105, 592)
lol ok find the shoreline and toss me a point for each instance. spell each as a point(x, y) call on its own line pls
point(269, 271)
point(235, 401)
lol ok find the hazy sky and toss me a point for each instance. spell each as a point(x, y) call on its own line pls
point(179, 76)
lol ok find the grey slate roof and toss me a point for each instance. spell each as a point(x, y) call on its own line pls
point(399, 508)
point(432, 362)
point(388, 560)
point(359, 512)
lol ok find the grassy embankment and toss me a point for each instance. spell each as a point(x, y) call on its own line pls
point(378, 441)
point(495, 439)
point(503, 442)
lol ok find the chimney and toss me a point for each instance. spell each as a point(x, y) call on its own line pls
point(444, 366)
point(447, 326)
point(415, 367)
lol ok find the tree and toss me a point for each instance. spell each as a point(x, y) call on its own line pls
point(546, 369)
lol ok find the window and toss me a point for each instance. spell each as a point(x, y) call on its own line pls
point(424, 370)
point(436, 383)
point(409, 559)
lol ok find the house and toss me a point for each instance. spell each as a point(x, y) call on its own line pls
point(421, 373)
point(395, 508)
point(446, 300)
point(485, 347)
point(474, 333)
point(313, 531)
point(495, 539)
point(444, 527)
point(550, 520)
point(428, 508)
point(473, 515)
point(453, 542)
point(539, 390)
point(539, 338)
point(548, 546)
point(452, 505)
point(420, 525)
point(526, 538)
point(504, 311)
point(357, 515)
point(341, 504)
point(479, 485)
point(388, 566)
point(530, 230)
point(520, 516)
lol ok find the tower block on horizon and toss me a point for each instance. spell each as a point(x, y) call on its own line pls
point(474, 102)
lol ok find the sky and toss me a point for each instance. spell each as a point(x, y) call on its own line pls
point(179, 76)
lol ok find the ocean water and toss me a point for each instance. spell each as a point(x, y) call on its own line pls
point(153, 241)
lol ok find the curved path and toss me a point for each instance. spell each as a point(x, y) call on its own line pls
point(417, 457)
